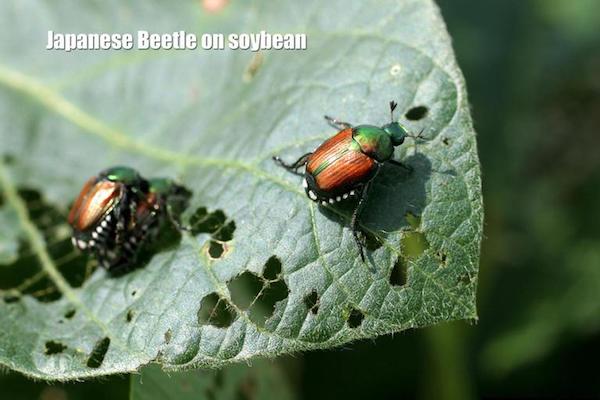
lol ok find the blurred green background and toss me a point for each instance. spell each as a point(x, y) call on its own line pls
point(533, 76)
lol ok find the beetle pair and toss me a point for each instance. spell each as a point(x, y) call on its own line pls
point(345, 165)
point(118, 210)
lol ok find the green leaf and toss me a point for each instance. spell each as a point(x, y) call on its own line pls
point(266, 272)
point(261, 381)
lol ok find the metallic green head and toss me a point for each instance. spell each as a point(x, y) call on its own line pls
point(161, 185)
point(396, 131)
point(175, 195)
point(126, 175)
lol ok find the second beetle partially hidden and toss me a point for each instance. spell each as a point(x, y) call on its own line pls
point(345, 165)
point(118, 210)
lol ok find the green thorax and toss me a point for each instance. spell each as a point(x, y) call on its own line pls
point(160, 185)
point(374, 142)
point(174, 195)
point(125, 175)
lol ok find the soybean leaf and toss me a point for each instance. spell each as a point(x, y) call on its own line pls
point(265, 271)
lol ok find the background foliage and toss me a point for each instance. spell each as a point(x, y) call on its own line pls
point(532, 70)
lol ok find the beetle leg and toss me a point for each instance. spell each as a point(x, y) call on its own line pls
point(401, 165)
point(122, 216)
point(293, 168)
point(354, 221)
point(175, 221)
point(336, 123)
point(356, 214)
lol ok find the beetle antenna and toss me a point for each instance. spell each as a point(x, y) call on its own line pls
point(418, 136)
point(393, 106)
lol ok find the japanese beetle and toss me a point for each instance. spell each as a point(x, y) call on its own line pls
point(117, 210)
point(345, 165)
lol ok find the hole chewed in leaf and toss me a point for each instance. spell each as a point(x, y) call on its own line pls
point(244, 289)
point(272, 269)
point(129, 316)
point(220, 229)
point(204, 222)
point(53, 347)
point(413, 220)
point(311, 302)
point(355, 318)
point(443, 257)
point(398, 276)
point(257, 295)
point(274, 292)
point(215, 311)
point(225, 233)
point(446, 141)
point(97, 355)
point(413, 242)
point(70, 313)
point(25, 275)
point(215, 249)
point(11, 298)
point(465, 279)
point(371, 241)
point(416, 113)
